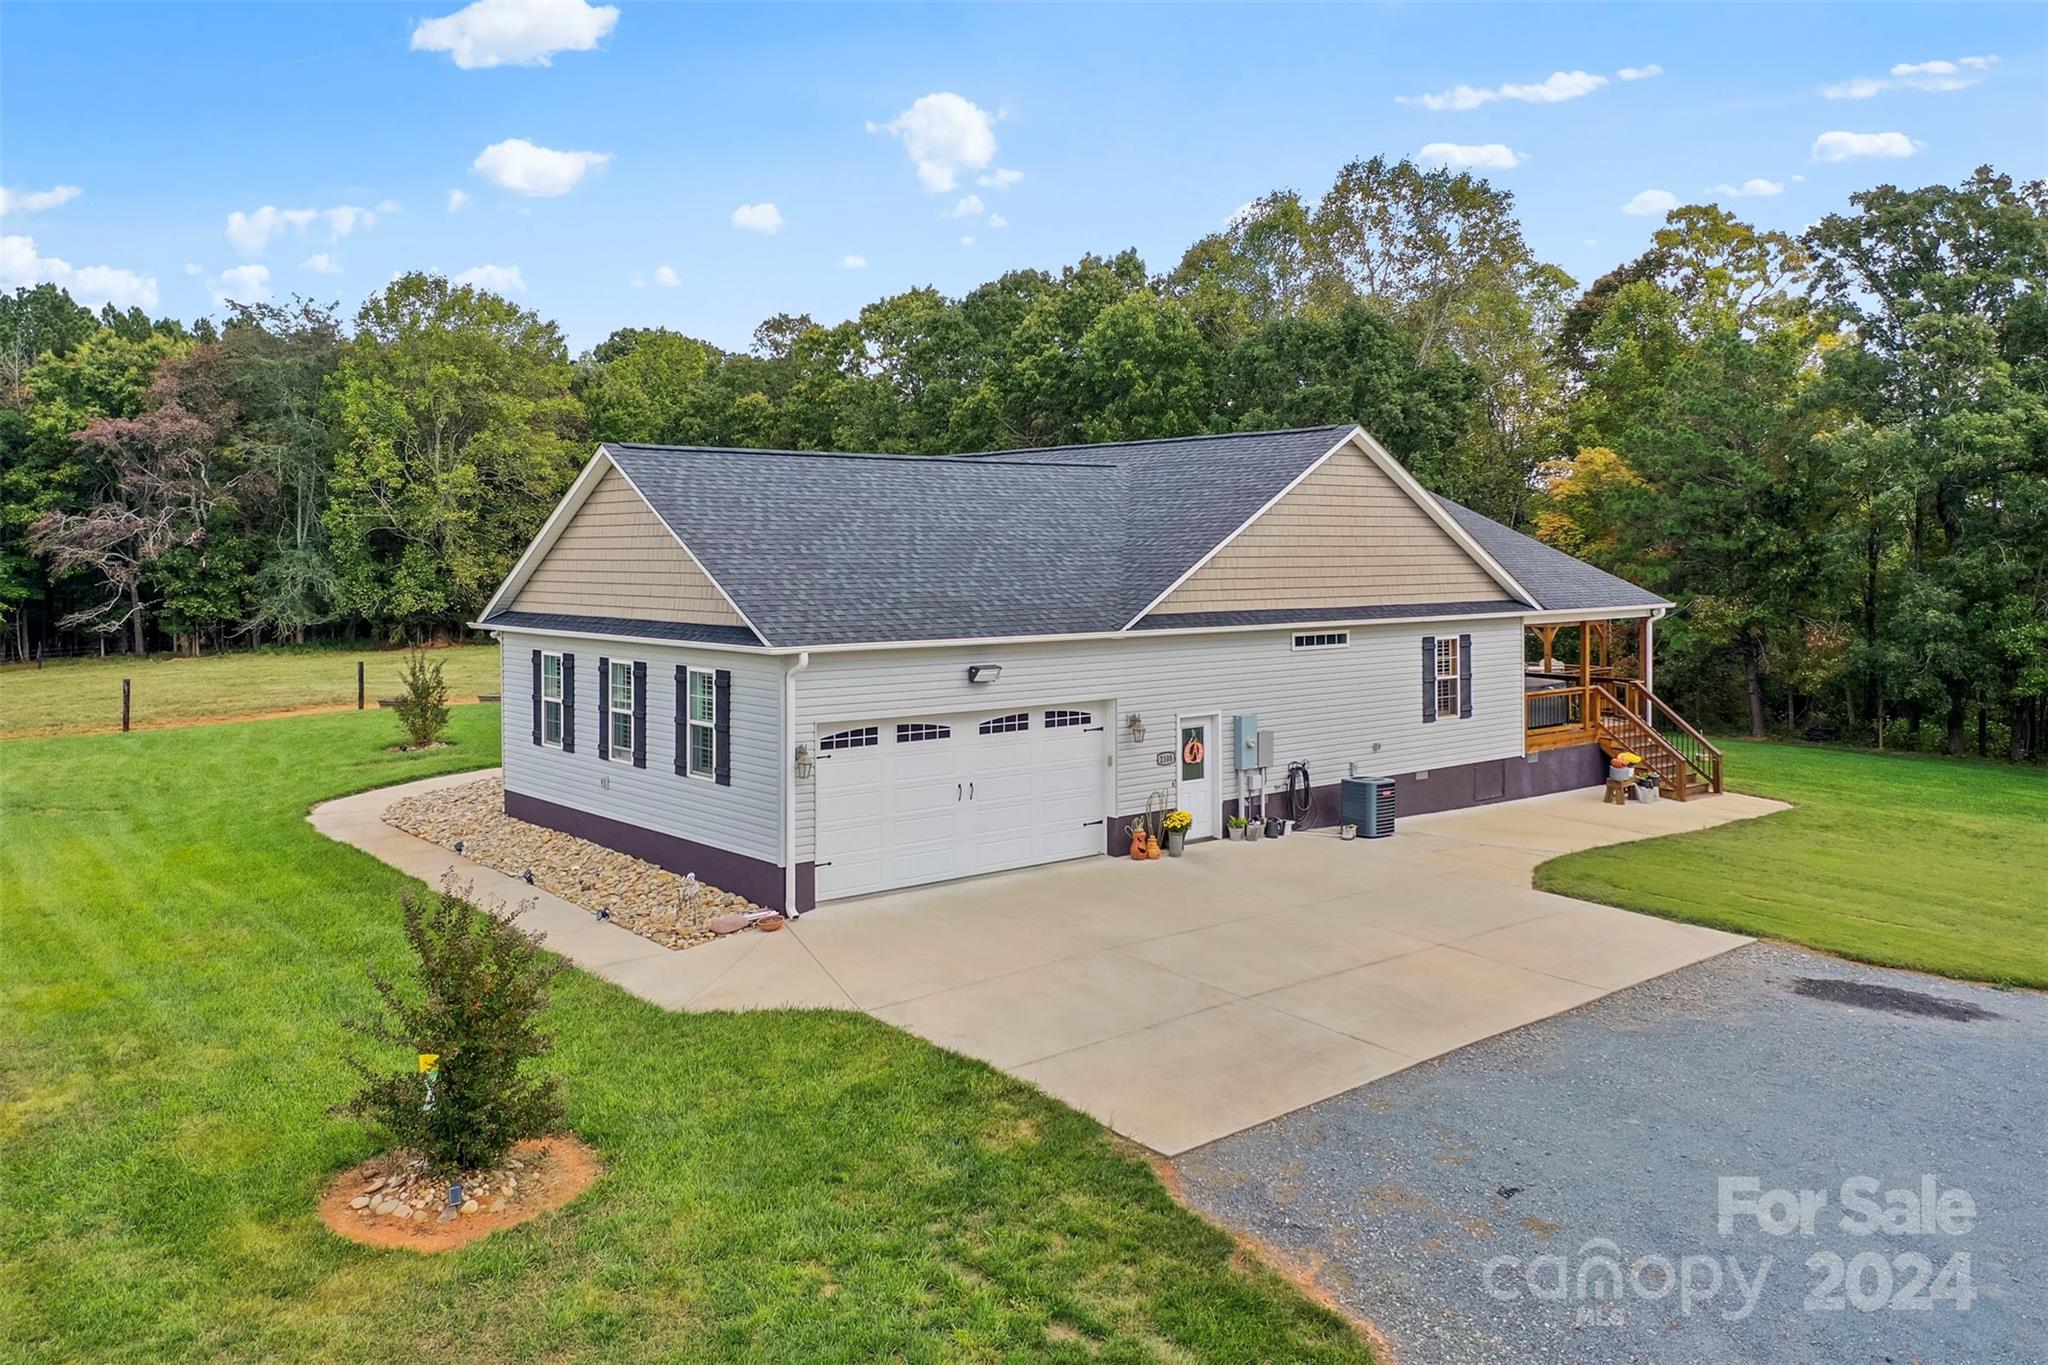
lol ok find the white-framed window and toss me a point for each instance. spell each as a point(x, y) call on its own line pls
point(702, 718)
point(1446, 676)
point(551, 700)
point(1006, 725)
point(913, 734)
point(865, 737)
point(1055, 720)
point(619, 710)
point(1323, 639)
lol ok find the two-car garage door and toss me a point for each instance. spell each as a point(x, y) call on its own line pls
point(902, 802)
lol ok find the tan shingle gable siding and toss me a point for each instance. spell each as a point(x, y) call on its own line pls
point(616, 559)
point(1345, 536)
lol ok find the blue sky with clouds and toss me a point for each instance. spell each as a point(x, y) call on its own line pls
point(704, 167)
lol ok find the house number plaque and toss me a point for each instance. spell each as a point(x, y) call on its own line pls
point(1164, 760)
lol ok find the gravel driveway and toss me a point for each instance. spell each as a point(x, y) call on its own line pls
point(1450, 1203)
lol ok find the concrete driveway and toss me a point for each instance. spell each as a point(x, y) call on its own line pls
point(1181, 1000)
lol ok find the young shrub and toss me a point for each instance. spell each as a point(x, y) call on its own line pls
point(475, 1006)
point(423, 704)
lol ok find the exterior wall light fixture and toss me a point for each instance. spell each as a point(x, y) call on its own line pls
point(981, 673)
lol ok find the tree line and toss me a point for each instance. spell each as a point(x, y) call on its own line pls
point(1830, 449)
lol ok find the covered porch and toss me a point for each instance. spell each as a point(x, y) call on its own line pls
point(1592, 681)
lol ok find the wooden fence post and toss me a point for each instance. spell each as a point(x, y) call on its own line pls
point(359, 684)
point(124, 706)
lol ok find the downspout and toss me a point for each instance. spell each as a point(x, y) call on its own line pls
point(797, 665)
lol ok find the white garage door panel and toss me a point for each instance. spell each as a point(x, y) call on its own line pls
point(905, 812)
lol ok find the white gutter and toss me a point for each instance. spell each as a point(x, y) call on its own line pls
point(797, 665)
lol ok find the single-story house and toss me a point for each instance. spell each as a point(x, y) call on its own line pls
point(805, 676)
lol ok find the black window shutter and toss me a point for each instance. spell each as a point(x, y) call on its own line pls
point(536, 696)
point(1428, 678)
point(568, 703)
point(683, 719)
point(1464, 677)
point(604, 707)
point(639, 714)
point(722, 716)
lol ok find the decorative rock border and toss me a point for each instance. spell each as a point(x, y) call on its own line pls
point(656, 904)
point(392, 1201)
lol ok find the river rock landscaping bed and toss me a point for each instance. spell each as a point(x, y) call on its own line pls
point(394, 1200)
point(652, 902)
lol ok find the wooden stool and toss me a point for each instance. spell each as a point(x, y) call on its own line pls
point(1617, 791)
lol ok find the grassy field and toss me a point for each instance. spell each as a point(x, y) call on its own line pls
point(177, 952)
point(78, 695)
point(1903, 860)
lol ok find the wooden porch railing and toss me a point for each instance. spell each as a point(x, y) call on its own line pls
point(1624, 713)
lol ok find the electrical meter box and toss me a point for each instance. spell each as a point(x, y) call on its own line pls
point(1247, 742)
point(1269, 740)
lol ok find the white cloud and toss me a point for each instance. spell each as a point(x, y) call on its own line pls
point(241, 284)
point(90, 285)
point(1492, 156)
point(850, 262)
point(666, 277)
point(1840, 146)
point(1649, 202)
point(498, 279)
point(527, 168)
point(1000, 178)
point(1555, 88)
point(321, 263)
point(945, 135)
point(996, 220)
point(194, 268)
point(1640, 73)
point(251, 232)
point(758, 218)
point(969, 207)
point(35, 201)
point(1936, 77)
point(967, 240)
point(515, 32)
point(1756, 187)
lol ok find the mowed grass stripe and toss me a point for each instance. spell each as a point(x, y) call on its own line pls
point(1904, 860)
point(177, 951)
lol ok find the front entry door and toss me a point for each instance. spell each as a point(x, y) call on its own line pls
point(1197, 764)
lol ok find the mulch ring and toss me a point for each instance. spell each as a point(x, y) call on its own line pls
point(390, 1201)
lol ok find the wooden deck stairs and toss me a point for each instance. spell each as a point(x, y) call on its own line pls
point(1628, 716)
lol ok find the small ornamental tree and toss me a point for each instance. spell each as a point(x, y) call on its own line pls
point(482, 983)
point(423, 704)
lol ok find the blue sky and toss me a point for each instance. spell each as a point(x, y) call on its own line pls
point(1140, 126)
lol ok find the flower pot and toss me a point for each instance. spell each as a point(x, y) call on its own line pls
point(1617, 773)
point(1275, 827)
point(1253, 831)
point(1233, 831)
point(1347, 831)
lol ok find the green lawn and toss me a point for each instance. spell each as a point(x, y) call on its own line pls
point(1903, 860)
point(178, 947)
point(74, 695)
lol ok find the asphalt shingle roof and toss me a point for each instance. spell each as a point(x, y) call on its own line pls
point(1558, 582)
point(682, 632)
point(824, 549)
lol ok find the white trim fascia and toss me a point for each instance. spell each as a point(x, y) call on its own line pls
point(551, 529)
point(980, 641)
point(622, 637)
point(1223, 544)
point(1421, 497)
point(677, 536)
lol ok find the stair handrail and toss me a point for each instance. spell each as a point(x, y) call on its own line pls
point(1710, 769)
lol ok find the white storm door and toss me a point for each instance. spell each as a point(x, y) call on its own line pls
point(1195, 762)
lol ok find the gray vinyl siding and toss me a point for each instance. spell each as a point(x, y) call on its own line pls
point(744, 818)
point(1329, 707)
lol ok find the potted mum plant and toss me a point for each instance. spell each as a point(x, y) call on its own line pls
point(1176, 827)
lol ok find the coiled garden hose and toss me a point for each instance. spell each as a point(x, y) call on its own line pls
point(1299, 792)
